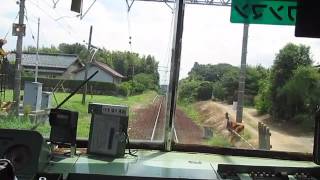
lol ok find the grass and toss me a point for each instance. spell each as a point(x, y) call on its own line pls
point(246, 134)
point(218, 140)
point(190, 110)
point(11, 122)
point(74, 104)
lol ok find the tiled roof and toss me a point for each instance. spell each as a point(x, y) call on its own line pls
point(46, 60)
point(104, 67)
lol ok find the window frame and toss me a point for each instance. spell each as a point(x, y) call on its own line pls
point(168, 144)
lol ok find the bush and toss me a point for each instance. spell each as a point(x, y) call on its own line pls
point(146, 80)
point(263, 100)
point(124, 89)
point(218, 91)
point(204, 91)
point(137, 88)
point(219, 140)
point(187, 90)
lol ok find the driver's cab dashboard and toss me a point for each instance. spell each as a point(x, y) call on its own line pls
point(36, 161)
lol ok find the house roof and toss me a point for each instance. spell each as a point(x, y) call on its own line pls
point(106, 68)
point(46, 60)
point(103, 67)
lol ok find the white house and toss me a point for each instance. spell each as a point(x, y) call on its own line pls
point(106, 73)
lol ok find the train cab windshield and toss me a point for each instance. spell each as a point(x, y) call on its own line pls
point(109, 77)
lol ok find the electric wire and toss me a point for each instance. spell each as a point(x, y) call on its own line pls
point(33, 19)
point(85, 13)
point(55, 3)
point(168, 49)
point(27, 19)
point(52, 18)
point(129, 29)
point(6, 35)
point(60, 14)
point(74, 34)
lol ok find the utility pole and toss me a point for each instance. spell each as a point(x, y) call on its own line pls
point(242, 77)
point(86, 69)
point(37, 62)
point(17, 76)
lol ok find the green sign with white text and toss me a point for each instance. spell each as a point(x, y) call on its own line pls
point(275, 12)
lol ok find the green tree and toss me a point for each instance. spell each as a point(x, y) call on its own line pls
point(218, 91)
point(147, 80)
point(263, 98)
point(209, 72)
point(302, 94)
point(187, 89)
point(287, 60)
point(253, 77)
point(230, 83)
point(75, 48)
point(204, 91)
point(48, 50)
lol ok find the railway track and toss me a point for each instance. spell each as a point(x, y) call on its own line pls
point(159, 124)
point(149, 124)
point(159, 121)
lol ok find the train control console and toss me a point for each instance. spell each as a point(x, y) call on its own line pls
point(238, 172)
point(108, 130)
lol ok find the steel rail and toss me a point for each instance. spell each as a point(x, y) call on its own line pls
point(156, 121)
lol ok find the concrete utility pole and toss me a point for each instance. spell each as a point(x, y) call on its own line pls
point(86, 70)
point(37, 62)
point(17, 76)
point(242, 77)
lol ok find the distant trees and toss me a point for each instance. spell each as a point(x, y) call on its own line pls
point(219, 81)
point(63, 48)
point(289, 90)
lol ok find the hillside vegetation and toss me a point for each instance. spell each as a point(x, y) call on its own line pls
point(288, 91)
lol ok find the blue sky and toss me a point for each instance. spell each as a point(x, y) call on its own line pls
point(208, 37)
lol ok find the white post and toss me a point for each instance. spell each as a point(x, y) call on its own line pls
point(37, 55)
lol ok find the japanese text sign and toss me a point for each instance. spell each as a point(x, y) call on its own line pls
point(276, 12)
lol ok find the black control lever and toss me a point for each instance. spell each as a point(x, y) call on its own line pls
point(76, 90)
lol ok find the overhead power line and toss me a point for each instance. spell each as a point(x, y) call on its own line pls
point(6, 35)
point(27, 19)
point(197, 2)
point(54, 19)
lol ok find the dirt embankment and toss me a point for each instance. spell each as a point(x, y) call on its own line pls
point(283, 136)
point(213, 115)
